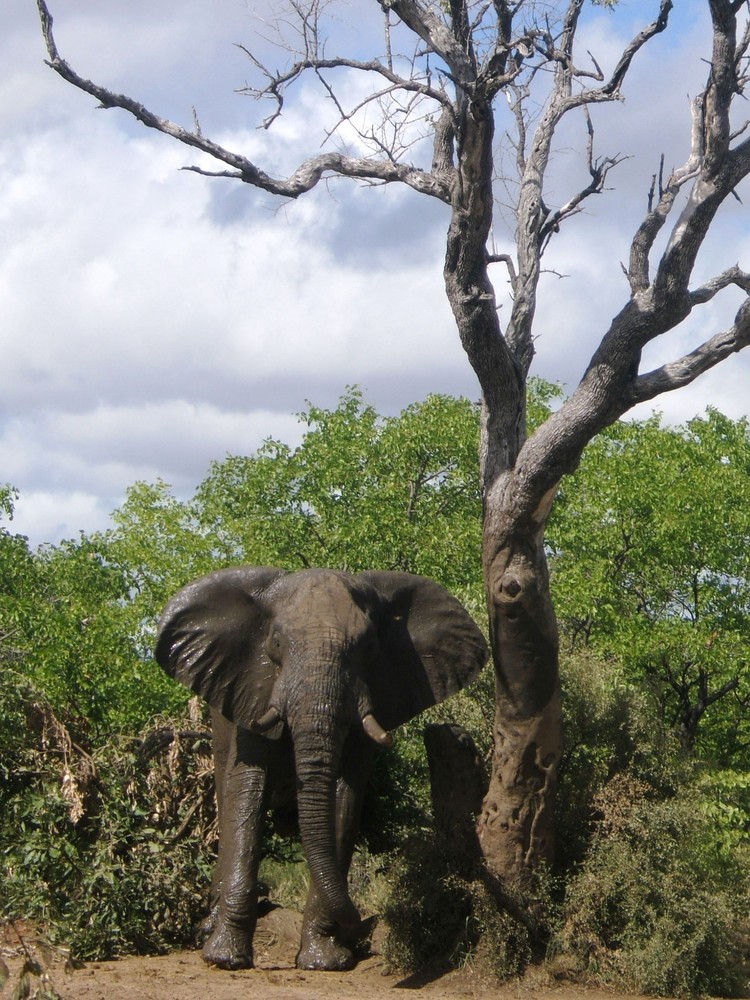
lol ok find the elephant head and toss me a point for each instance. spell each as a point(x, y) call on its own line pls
point(321, 653)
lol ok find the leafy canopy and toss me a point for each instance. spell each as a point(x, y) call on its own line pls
point(652, 566)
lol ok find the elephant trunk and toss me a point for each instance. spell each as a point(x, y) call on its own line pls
point(316, 765)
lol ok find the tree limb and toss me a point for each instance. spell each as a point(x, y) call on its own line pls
point(436, 34)
point(303, 179)
point(643, 241)
point(637, 43)
point(732, 276)
point(687, 368)
point(598, 169)
point(277, 82)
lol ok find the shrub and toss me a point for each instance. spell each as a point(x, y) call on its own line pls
point(93, 845)
point(657, 904)
point(441, 912)
point(609, 728)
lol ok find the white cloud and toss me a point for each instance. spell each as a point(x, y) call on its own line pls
point(83, 461)
point(153, 320)
point(51, 516)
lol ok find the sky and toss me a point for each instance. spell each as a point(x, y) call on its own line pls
point(153, 320)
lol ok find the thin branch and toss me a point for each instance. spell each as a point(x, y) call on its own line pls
point(504, 258)
point(388, 50)
point(303, 179)
point(732, 276)
point(643, 241)
point(725, 688)
point(277, 82)
point(598, 169)
point(621, 70)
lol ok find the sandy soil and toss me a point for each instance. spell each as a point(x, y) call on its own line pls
point(184, 976)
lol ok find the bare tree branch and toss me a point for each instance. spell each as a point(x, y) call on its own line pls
point(278, 82)
point(304, 178)
point(643, 241)
point(621, 70)
point(505, 258)
point(535, 226)
point(686, 369)
point(598, 169)
point(732, 276)
point(436, 34)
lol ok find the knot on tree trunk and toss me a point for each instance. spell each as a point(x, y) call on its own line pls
point(523, 627)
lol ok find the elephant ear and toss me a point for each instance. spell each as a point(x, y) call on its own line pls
point(211, 638)
point(429, 646)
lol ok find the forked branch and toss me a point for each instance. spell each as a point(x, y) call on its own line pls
point(278, 82)
point(303, 179)
point(686, 369)
point(613, 383)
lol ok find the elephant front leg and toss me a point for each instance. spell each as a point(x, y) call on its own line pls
point(325, 945)
point(241, 820)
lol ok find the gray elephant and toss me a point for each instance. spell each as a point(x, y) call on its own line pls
point(305, 674)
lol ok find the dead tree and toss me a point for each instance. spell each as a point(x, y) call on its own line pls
point(468, 62)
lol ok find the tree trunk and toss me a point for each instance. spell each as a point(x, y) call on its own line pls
point(458, 785)
point(515, 827)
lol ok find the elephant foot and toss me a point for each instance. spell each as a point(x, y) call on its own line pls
point(229, 948)
point(324, 954)
point(206, 926)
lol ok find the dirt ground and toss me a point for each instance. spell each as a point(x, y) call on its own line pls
point(184, 976)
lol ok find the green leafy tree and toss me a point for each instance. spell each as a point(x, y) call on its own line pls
point(652, 566)
point(359, 491)
point(446, 81)
point(65, 629)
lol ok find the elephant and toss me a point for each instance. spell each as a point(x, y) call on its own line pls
point(306, 673)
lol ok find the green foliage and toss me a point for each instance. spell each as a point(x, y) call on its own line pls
point(93, 846)
point(651, 566)
point(64, 627)
point(656, 907)
point(440, 913)
point(653, 848)
point(610, 727)
point(725, 802)
point(360, 491)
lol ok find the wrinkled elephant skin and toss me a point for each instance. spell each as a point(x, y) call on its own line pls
point(306, 673)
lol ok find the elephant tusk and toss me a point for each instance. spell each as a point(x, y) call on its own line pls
point(375, 731)
point(266, 721)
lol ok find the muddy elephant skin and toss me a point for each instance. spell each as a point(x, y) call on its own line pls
point(311, 668)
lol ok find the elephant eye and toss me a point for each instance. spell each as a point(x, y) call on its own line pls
point(275, 645)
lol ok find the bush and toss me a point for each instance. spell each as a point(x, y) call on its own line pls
point(441, 913)
point(609, 728)
point(93, 846)
point(657, 903)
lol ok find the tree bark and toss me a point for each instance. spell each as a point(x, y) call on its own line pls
point(516, 825)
